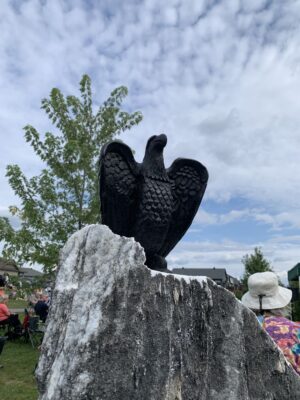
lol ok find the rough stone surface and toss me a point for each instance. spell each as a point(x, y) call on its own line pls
point(119, 331)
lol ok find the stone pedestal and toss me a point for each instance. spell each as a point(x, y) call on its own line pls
point(119, 331)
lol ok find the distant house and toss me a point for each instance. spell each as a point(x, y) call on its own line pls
point(218, 275)
point(294, 281)
point(29, 274)
point(233, 283)
point(8, 268)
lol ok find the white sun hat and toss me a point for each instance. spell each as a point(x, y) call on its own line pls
point(264, 288)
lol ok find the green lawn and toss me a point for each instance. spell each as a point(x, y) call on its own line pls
point(17, 304)
point(17, 380)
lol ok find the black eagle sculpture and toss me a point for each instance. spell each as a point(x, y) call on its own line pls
point(146, 201)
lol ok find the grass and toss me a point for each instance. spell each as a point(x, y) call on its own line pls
point(17, 303)
point(17, 381)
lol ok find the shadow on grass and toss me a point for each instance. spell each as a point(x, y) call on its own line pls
point(17, 381)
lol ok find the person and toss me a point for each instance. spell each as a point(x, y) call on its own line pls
point(4, 311)
point(32, 300)
point(271, 304)
point(25, 323)
point(14, 326)
point(2, 285)
point(41, 308)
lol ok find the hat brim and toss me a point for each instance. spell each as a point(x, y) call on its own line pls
point(279, 300)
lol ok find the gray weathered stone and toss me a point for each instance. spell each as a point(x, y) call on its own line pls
point(119, 331)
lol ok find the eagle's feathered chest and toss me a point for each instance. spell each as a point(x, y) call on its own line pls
point(156, 201)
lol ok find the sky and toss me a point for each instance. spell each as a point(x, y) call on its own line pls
point(220, 78)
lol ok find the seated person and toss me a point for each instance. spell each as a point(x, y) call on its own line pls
point(41, 308)
point(4, 311)
point(11, 321)
point(2, 286)
point(271, 304)
point(32, 299)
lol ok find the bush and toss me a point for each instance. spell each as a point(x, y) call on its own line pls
point(296, 310)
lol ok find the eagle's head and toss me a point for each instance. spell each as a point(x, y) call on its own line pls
point(153, 162)
point(156, 144)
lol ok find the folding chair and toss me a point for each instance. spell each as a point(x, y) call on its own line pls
point(13, 327)
point(34, 331)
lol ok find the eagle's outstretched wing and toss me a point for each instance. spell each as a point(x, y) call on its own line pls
point(118, 174)
point(189, 179)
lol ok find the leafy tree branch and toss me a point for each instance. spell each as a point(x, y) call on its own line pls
point(63, 197)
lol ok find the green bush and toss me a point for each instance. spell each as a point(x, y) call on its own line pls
point(296, 310)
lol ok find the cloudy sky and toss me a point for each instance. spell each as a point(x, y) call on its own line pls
point(220, 78)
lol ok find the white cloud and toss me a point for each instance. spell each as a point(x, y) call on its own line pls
point(284, 220)
point(205, 218)
point(283, 254)
point(254, 5)
point(219, 78)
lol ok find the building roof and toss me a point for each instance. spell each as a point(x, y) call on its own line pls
point(30, 272)
point(8, 265)
point(213, 273)
point(233, 279)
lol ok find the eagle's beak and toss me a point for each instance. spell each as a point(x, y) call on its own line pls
point(161, 139)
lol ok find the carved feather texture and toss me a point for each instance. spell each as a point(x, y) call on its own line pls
point(119, 177)
point(188, 180)
point(118, 186)
point(157, 201)
point(146, 201)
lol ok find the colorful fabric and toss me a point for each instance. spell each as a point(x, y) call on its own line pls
point(286, 334)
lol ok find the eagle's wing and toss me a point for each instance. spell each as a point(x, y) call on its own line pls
point(188, 179)
point(118, 174)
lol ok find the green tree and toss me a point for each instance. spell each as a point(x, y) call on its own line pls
point(63, 198)
point(254, 263)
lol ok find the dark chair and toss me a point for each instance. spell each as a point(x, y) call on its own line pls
point(14, 327)
point(35, 332)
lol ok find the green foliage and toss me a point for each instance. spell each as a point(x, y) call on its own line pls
point(238, 293)
point(63, 198)
point(254, 263)
point(41, 281)
point(296, 310)
point(294, 285)
point(22, 288)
